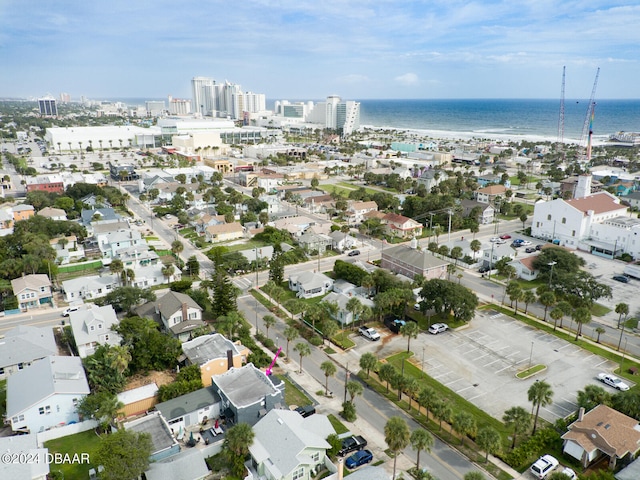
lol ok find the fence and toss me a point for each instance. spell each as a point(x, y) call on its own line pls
point(71, 429)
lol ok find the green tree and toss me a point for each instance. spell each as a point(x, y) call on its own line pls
point(269, 321)
point(386, 373)
point(176, 248)
point(421, 440)
point(442, 411)
point(556, 314)
point(528, 297)
point(329, 370)
point(464, 423)
point(397, 438)
point(592, 396)
point(193, 266)
point(622, 309)
point(540, 394)
point(475, 247)
point(410, 330)
point(426, 398)
point(475, 475)
point(100, 406)
point(523, 218)
point(354, 388)
point(303, 350)
point(600, 331)
point(329, 328)
point(368, 361)
point(518, 419)
point(276, 268)
point(581, 316)
point(456, 253)
point(290, 334)
point(489, 440)
point(116, 267)
point(236, 445)
point(123, 454)
point(355, 307)
point(547, 299)
point(123, 299)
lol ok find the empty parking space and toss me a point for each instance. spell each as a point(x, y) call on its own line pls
point(480, 363)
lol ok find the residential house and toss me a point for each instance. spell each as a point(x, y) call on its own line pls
point(572, 221)
point(490, 193)
point(98, 215)
point(484, 213)
point(191, 409)
point(524, 268)
point(312, 241)
point(137, 256)
point(431, 177)
point(570, 187)
point(68, 249)
point(32, 291)
point(45, 394)
point(206, 221)
point(23, 470)
point(344, 316)
point(168, 190)
point(186, 465)
point(150, 275)
point(223, 232)
point(490, 179)
point(6, 221)
point(633, 199)
point(177, 312)
point(411, 262)
point(110, 242)
point(163, 443)
point(273, 204)
point(23, 212)
point(602, 432)
point(92, 327)
point(247, 394)
point(490, 256)
point(23, 345)
point(298, 225)
point(215, 354)
point(53, 213)
point(95, 201)
point(400, 226)
point(90, 287)
point(300, 451)
point(342, 241)
point(122, 172)
point(310, 284)
point(46, 183)
point(356, 211)
point(138, 400)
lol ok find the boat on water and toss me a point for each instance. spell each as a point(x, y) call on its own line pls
point(630, 139)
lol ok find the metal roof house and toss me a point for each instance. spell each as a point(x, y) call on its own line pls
point(22, 345)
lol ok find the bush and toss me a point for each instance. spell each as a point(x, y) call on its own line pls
point(348, 412)
point(527, 452)
point(316, 341)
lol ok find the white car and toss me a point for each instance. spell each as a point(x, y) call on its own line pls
point(613, 381)
point(70, 310)
point(494, 239)
point(438, 327)
point(369, 333)
point(544, 466)
point(570, 474)
point(525, 243)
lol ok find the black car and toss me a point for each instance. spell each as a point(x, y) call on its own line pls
point(306, 411)
point(621, 278)
point(530, 249)
point(353, 253)
point(484, 269)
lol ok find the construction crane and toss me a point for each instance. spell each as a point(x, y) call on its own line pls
point(587, 127)
point(561, 117)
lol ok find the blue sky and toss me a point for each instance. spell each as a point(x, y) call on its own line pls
point(308, 49)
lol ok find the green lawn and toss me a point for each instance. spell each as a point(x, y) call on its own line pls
point(334, 188)
point(292, 394)
point(338, 426)
point(599, 310)
point(84, 442)
point(370, 191)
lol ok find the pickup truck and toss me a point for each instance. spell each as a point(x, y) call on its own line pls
point(369, 333)
point(351, 444)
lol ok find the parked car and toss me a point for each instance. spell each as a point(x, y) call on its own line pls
point(351, 444)
point(544, 466)
point(506, 236)
point(500, 241)
point(530, 249)
point(570, 474)
point(484, 269)
point(621, 278)
point(494, 239)
point(525, 243)
point(539, 247)
point(358, 459)
point(353, 253)
point(613, 381)
point(369, 333)
point(306, 411)
point(438, 328)
point(70, 310)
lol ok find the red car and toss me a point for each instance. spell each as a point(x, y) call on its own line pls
point(505, 237)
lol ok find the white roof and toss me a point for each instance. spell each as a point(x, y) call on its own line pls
point(136, 394)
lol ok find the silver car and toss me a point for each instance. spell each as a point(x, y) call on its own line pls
point(437, 328)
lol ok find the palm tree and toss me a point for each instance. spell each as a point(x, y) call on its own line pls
point(411, 388)
point(237, 441)
point(386, 373)
point(368, 361)
point(556, 314)
point(622, 309)
point(475, 247)
point(582, 316)
point(599, 331)
point(540, 394)
point(441, 410)
point(592, 396)
point(456, 253)
point(397, 437)
point(421, 440)
point(167, 271)
point(329, 329)
point(489, 440)
point(547, 299)
point(426, 398)
point(130, 275)
point(354, 388)
point(519, 419)
point(176, 247)
point(464, 423)
point(269, 321)
point(410, 330)
point(354, 306)
point(116, 266)
point(527, 298)
point(329, 369)
point(290, 333)
point(303, 350)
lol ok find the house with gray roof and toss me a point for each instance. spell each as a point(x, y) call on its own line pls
point(32, 291)
point(93, 327)
point(310, 284)
point(312, 241)
point(215, 354)
point(186, 465)
point(247, 394)
point(24, 345)
point(177, 312)
point(491, 255)
point(344, 316)
point(163, 443)
point(410, 262)
point(98, 214)
point(341, 241)
point(300, 450)
point(45, 394)
point(191, 409)
point(23, 470)
point(111, 242)
point(90, 287)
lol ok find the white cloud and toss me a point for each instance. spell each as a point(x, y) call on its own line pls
point(408, 79)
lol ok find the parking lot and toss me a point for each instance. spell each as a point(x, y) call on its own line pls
point(480, 362)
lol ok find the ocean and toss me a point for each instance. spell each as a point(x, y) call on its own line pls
point(502, 118)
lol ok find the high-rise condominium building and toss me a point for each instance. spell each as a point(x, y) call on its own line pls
point(48, 107)
point(204, 101)
point(224, 100)
point(335, 113)
point(179, 106)
point(155, 108)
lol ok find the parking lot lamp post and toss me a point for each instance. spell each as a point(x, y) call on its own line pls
point(623, 353)
point(551, 264)
point(346, 380)
point(531, 355)
point(422, 359)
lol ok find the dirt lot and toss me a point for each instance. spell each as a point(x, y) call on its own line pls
point(159, 378)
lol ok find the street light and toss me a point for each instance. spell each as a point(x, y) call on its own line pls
point(531, 355)
point(551, 264)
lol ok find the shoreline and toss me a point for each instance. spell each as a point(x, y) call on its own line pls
point(597, 140)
